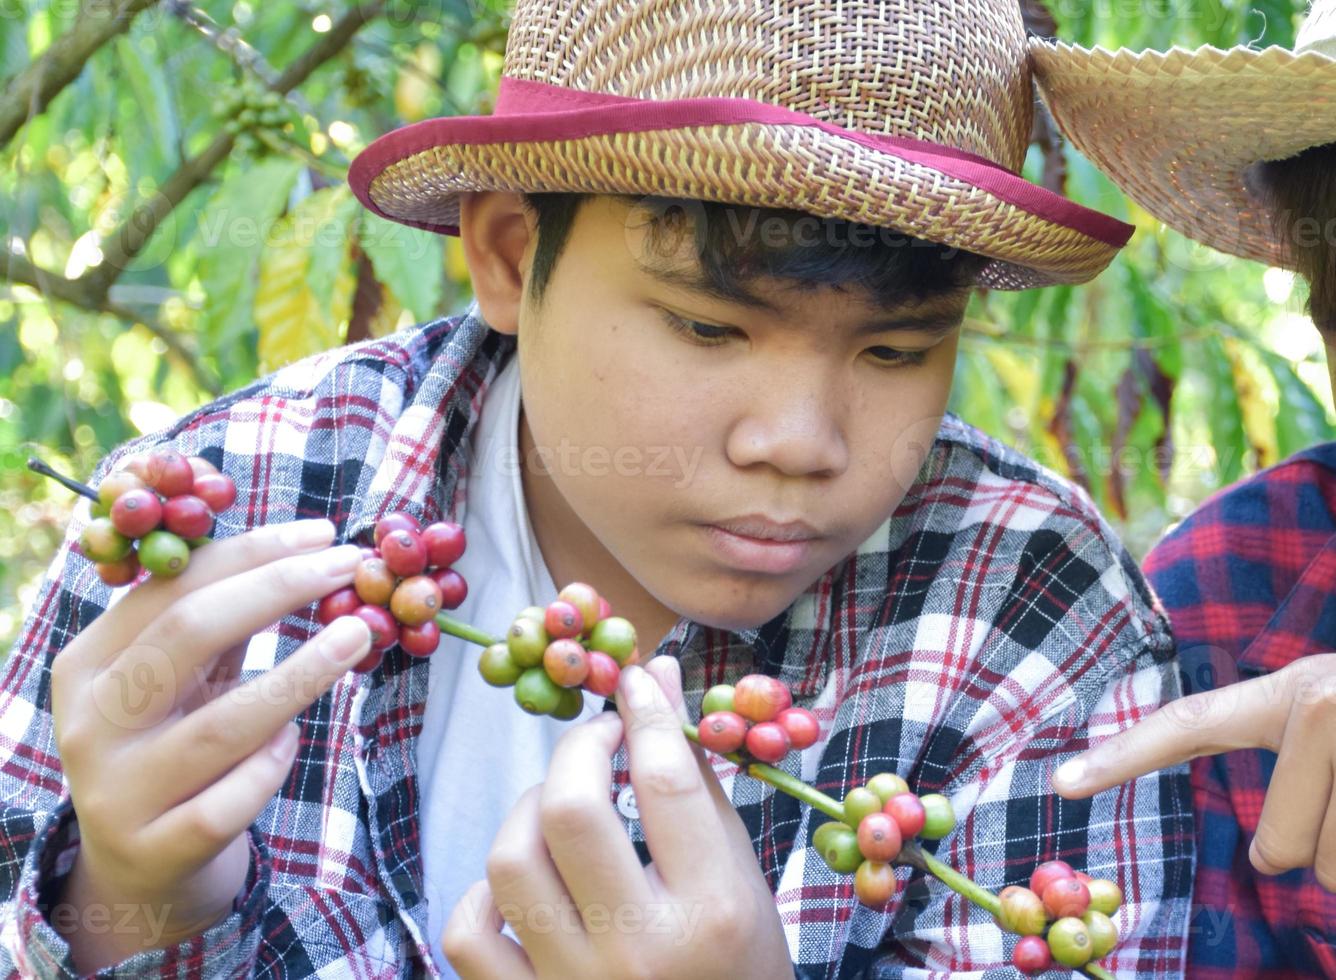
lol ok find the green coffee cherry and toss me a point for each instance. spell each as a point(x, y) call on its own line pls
point(101, 542)
point(1069, 940)
point(886, 785)
point(717, 698)
point(527, 641)
point(498, 667)
point(1103, 933)
point(163, 553)
point(941, 819)
point(838, 846)
point(572, 703)
point(859, 803)
point(536, 693)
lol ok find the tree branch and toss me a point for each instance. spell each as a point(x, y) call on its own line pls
point(30, 91)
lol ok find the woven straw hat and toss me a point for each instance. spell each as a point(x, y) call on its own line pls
point(911, 114)
point(1179, 130)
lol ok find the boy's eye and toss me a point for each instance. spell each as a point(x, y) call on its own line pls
point(701, 333)
point(891, 357)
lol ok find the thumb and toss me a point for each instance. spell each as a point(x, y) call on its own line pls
point(1246, 715)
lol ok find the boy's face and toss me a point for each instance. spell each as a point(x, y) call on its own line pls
point(652, 438)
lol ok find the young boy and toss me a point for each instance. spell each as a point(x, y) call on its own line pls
point(731, 422)
point(1234, 155)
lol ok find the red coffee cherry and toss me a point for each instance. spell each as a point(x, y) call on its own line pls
point(374, 582)
point(603, 674)
point(396, 521)
point(216, 490)
point(1047, 873)
point(404, 553)
point(1066, 897)
point(454, 590)
point(201, 466)
point(1031, 956)
point(169, 472)
point(384, 629)
point(908, 812)
point(341, 602)
point(416, 600)
point(802, 726)
point(371, 661)
point(445, 543)
point(758, 697)
point(722, 731)
point(421, 640)
point(879, 837)
point(767, 742)
point(136, 512)
point(584, 598)
point(187, 516)
point(875, 883)
point(563, 620)
point(118, 573)
point(566, 662)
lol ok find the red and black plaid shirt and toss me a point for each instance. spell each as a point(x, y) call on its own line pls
point(989, 630)
point(1250, 584)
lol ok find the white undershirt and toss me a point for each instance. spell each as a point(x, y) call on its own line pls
point(479, 751)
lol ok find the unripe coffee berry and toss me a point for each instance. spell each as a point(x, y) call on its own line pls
point(758, 697)
point(879, 837)
point(136, 512)
point(584, 598)
point(163, 553)
point(396, 521)
point(887, 785)
point(1105, 895)
point(566, 662)
point(563, 621)
point(1047, 873)
point(875, 883)
point(216, 490)
point(722, 732)
point(374, 582)
point(536, 693)
point(717, 698)
point(1103, 933)
point(939, 819)
point(1066, 897)
point(859, 802)
point(416, 600)
point(528, 642)
point(801, 725)
point(454, 590)
point(498, 667)
point(767, 742)
point(117, 573)
point(341, 602)
point(1022, 911)
point(420, 640)
point(536, 613)
point(445, 543)
point(102, 543)
point(570, 705)
point(169, 472)
point(187, 516)
point(1069, 942)
point(603, 674)
point(616, 637)
point(116, 484)
point(907, 811)
point(404, 553)
point(384, 628)
point(1031, 956)
point(838, 846)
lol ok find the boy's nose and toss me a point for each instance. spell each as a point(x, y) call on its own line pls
point(796, 431)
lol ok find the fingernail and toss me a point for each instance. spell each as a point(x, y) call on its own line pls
point(339, 561)
point(307, 534)
point(345, 641)
point(1070, 775)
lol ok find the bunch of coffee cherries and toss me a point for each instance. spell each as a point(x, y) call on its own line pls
point(756, 717)
point(551, 653)
point(1063, 917)
point(152, 512)
point(404, 580)
point(879, 817)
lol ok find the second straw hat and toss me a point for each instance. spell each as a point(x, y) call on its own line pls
point(909, 114)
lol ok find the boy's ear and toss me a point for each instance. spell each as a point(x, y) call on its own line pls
point(497, 233)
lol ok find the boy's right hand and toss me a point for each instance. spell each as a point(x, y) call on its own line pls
point(168, 760)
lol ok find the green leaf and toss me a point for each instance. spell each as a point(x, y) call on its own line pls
point(1223, 411)
point(1302, 419)
point(152, 92)
point(407, 261)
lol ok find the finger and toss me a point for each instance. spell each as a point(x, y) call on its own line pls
point(171, 657)
point(217, 560)
point(584, 836)
point(528, 889)
point(221, 679)
point(1245, 715)
point(208, 742)
point(682, 827)
point(474, 945)
point(1296, 799)
point(1324, 867)
point(192, 834)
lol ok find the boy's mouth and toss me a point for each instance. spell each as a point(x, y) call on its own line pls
point(761, 528)
point(758, 544)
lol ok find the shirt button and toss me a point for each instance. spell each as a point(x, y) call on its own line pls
point(626, 803)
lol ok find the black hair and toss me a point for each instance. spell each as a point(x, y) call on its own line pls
point(737, 244)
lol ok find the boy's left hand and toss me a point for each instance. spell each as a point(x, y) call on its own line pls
point(565, 876)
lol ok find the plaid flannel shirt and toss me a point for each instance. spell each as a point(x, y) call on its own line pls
point(1250, 584)
point(989, 630)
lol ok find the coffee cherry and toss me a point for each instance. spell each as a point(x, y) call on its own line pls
point(1066, 897)
point(537, 613)
point(187, 516)
point(879, 837)
point(454, 590)
point(136, 512)
point(216, 490)
point(163, 553)
point(396, 521)
point(604, 608)
point(420, 640)
point(200, 466)
point(1103, 933)
point(384, 629)
point(858, 803)
point(723, 732)
point(195, 543)
point(116, 484)
point(102, 543)
point(416, 600)
point(341, 602)
point(838, 846)
point(1105, 896)
point(404, 553)
point(445, 543)
point(584, 598)
point(887, 785)
point(138, 465)
point(1069, 942)
point(907, 811)
point(616, 637)
point(116, 573)
point(498, 667)
point(1047, 873)
point(528, 642)
point(603, 674)
point(368, 553)
point(758, 697)
point(566, 662)
point(1022, 911)
point(717, 698)
point(563, 621)
point(536, 693)
point(875, 883)
point(1031, 956)
point(939, 819)
point(767, 742)
point(801, 725)
point(169, 472)
point(570, 706)
point(374, 582)
point(370, 662)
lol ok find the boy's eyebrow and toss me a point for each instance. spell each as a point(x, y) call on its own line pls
point(934, 322)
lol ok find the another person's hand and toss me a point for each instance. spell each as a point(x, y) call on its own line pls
point(1291, 712)
point(566, 878)
point(169, 760)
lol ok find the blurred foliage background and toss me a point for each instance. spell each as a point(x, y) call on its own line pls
point(175, 222)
